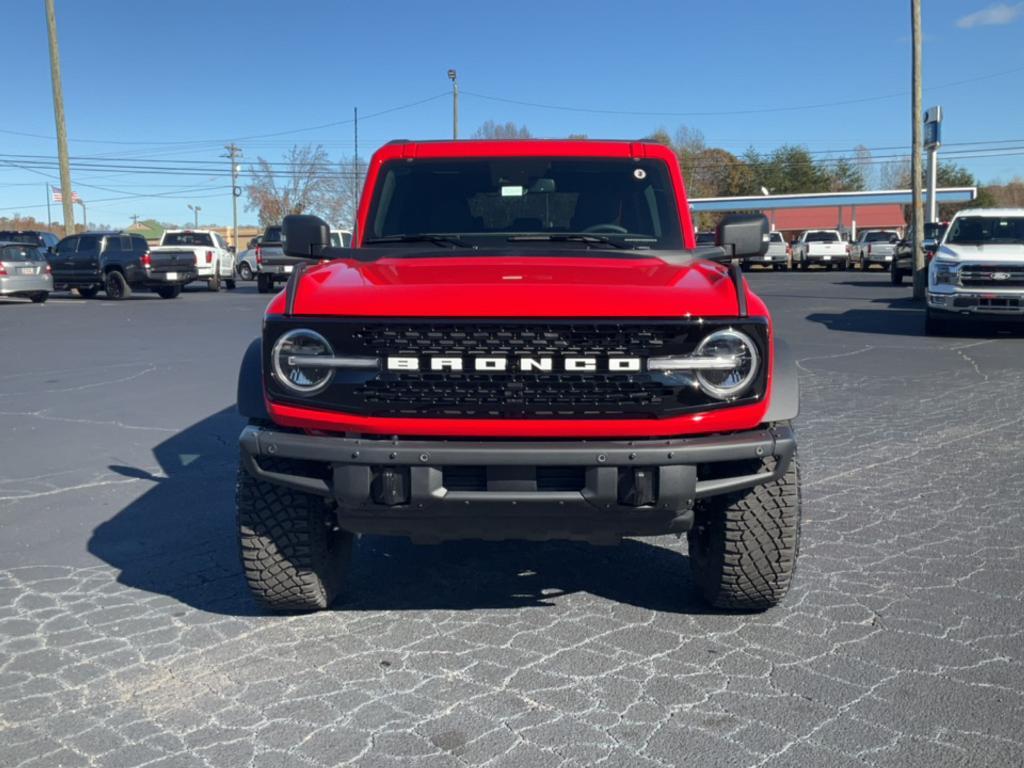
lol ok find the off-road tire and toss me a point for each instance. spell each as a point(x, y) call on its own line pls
point(230, 283)
point(169, 291)
point(264, 284)
point(744, 545)
point(214, 282)
point(115, 286)
point(294, 556)
point(89, 292)
point(245, 271)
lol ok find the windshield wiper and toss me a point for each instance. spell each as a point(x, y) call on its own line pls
point(558, 238)
point(423, 237)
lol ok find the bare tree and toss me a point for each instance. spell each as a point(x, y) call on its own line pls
point(340, 206)
point(509, 130)
point(303, 182)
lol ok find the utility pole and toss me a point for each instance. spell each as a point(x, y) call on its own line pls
point(58, 116)
point(135, 220)
point(357, 188)
point(920, 266)
point(236, 191)
point(453, 76)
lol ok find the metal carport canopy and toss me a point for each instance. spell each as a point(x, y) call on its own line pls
point(827, 199)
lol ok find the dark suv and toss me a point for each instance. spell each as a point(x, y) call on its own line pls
point(117, 262)
point(45, 240)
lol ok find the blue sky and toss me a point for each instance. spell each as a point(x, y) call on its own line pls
point(157, 75)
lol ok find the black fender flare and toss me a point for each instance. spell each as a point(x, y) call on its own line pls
point(250, 383)
point(784, 404)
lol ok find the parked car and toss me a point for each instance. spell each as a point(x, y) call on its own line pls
point(902, 259)
point(874, 246)
point(214, 260)
point(428, 389)
point(825, 247)
point(977, 272)
point(45, 240)
point(776, 256)
point(705, 238)
point(24, 271)
point(118, 263)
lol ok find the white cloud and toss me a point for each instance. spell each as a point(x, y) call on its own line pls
point(998, 14)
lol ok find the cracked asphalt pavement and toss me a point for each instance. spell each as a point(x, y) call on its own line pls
point(127, 637)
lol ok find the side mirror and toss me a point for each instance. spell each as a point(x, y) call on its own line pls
point(743, 235)
point(305, 236)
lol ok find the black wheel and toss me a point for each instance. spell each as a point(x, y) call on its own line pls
point(264, 283)
point(116, 287)
point(214, 282)
point(169, 291)
point(844, 266)
point(40, 298)
point(744, 545)
point(230, 283)
point(294, 556)
point(938, 326)
point(88, 293)
point(895, 276)
point(803, 266)
point(864, 266)
point(744, 266)
point(245, 271)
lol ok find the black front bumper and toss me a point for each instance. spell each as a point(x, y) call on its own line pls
point(624, 488)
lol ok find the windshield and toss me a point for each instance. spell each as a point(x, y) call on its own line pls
point(822, 237)
point(21, 253)
point(485, 201)
point(19, 237)
point(776, 237)
point(188, 238)
point(879, 237)
point(978, 230)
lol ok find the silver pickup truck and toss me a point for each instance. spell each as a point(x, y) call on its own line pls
point(874, 246)
point(273, 266)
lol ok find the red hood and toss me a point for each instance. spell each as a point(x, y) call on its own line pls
point(516, 286)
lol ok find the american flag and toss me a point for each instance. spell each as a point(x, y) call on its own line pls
point(58, 196)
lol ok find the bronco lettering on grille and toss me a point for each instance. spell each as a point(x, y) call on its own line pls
point(524, 364)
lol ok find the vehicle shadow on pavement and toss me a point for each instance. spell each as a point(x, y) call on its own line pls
point(179, 540)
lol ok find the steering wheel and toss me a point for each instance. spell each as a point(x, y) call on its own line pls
point(609, 228)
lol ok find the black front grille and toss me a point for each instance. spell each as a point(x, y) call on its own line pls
point(601, 394)
point(992, 276)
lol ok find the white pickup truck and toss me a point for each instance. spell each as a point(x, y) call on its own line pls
point(821, 246)
point(214, 261)
point(977, 272)
point(874, 246)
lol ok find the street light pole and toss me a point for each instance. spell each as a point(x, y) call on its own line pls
point(58, 116)
point(920, 265)
point(195, 211)
point(453, 76)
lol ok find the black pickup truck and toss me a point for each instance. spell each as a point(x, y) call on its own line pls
point(117, 263)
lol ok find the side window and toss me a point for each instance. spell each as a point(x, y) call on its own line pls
point(126, 243)
point(67, 245)
point(139, 244)
point(88, 243)
point(112, 244)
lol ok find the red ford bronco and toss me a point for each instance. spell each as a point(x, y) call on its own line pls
point(523, 343)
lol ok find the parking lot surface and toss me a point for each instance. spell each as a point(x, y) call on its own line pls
point(127, 637)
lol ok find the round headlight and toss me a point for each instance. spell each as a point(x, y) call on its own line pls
point(294, 361)
point(728, 383)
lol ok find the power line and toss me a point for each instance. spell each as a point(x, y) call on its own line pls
point(726, 113)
